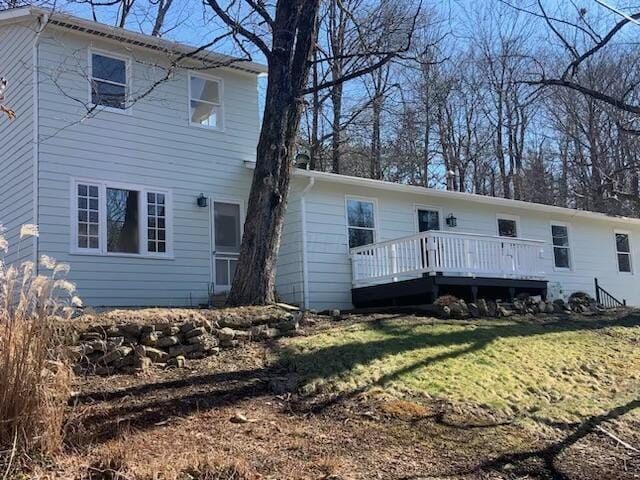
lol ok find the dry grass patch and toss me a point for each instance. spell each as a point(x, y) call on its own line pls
point(34, 374)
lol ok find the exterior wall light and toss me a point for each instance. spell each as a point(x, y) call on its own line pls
point(203, 201)
point(452, 221)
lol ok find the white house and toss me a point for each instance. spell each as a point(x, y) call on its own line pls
point(145, 196)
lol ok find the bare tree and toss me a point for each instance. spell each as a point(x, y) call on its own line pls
point(3, 108)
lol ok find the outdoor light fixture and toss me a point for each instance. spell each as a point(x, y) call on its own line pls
point(202, 201)
point(452, 221)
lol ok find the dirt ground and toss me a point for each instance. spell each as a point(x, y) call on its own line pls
point(224, 411)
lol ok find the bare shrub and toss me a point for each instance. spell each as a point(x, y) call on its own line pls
point(34, 374)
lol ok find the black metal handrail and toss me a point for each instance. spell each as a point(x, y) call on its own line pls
point(607, 300)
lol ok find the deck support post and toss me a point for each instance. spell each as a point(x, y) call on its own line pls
point(474, 293)
point(512, 293)
point(435, 293)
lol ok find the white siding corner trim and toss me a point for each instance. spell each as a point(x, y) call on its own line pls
point(101, 249)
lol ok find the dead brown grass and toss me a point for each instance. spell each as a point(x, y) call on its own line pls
point(34, 376)
point(404, 410)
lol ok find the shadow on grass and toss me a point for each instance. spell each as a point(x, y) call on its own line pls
point(148, 406)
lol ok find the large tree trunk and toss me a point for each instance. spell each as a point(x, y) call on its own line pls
point(294, 36)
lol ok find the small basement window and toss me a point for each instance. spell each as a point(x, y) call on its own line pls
point(561, 249)
point(361, 222)
point(623, 252)
point(116, 220)
point(205, 102)
point(108, 81)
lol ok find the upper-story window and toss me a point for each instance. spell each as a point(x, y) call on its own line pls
point(108, 81)
point(205, 102)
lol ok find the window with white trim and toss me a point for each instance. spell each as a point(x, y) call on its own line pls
point(205, 102)
point(508, 227)
point(114, 219)
point(108, 81)
point(360, 222)
point(561, 248)
point(623, 252)
point(87, 216)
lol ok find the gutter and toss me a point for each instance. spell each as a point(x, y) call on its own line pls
point(43, 20)
point(305, 265)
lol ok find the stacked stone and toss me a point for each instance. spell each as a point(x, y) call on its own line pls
point(132, 347)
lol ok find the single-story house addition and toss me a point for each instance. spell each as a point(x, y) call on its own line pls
point(146, 201)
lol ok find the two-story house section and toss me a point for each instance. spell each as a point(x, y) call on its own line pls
point(141, 190)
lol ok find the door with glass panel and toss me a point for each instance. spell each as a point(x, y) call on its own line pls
point(227, 234)
point(428, 219)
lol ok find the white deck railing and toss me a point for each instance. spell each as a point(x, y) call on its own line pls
point(432, 252)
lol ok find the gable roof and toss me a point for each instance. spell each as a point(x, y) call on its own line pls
point(77, 24)
point(461, 196)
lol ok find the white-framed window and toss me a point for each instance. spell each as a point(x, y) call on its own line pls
point(110, 218)
point(361, 221)
point(428, 218)
point(623, 252)
point(206, 102)
point(109, 80)
point(561, 246)
point(507, 225)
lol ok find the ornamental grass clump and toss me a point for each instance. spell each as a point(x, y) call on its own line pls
point(34, 374)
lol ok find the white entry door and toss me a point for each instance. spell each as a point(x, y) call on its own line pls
point(227, 234)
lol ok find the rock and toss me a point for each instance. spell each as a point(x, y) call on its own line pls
point(147, 329)
point(226, 334)
point(114, 355)
point(474, 311)
point(131, 330)
point(82, 350)
point(102, 370)
point(187, 327)
point(141, 363)
point(156, 355)
point(179, 362)
point(549, 307)
point(124, 362)
point(445, 312)
point(195, 332)
point(492, 308)
point(90, 336)
point(165, 342)
point(263, 332)
point(183, 350)
point(459, 309)
point(483, 310)
point(288, 325)
point(114, 331)
point(229, 343)
point(504, 312)
point(240, 418)
point(149, 339)
point(519, 306)
point(336, 314)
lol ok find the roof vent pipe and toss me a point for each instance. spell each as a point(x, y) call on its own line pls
point(451, 177)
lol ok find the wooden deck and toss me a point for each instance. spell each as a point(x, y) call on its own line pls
point(426, 289)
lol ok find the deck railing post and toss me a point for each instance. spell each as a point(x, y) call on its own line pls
point(597, 291)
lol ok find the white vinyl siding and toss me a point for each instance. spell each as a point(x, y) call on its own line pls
point(328, 249)
point(17, 176)
point(152, 146)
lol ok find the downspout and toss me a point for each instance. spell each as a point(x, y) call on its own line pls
point(42, 20)
point(305, 267)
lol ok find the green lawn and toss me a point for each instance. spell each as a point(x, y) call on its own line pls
point(562, 370)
